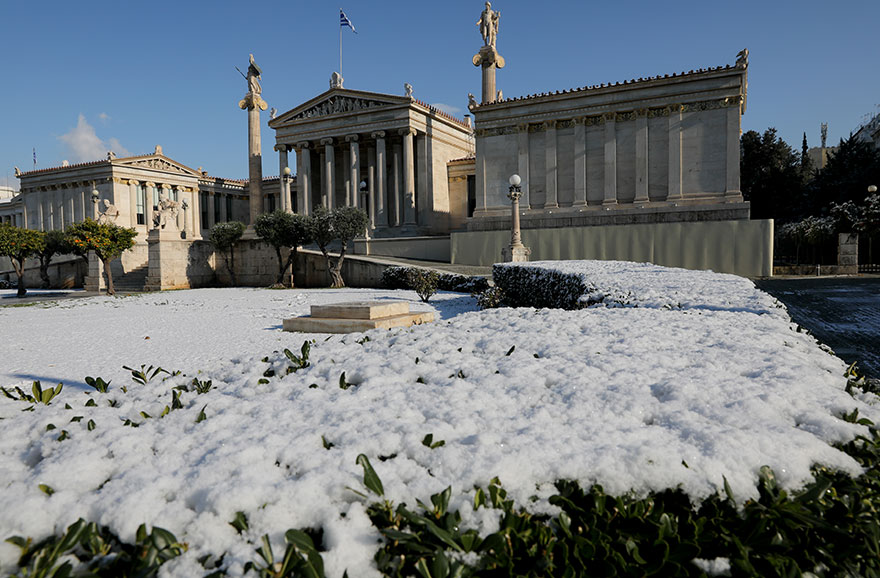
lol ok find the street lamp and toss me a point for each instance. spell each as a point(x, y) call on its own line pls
point(872, 189)
point(286, 177)
point(365, 200)
point(95, 196)
point(516, 251)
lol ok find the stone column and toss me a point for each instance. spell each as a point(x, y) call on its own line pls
point(354, 169)
point(253, 103)
point(68, 207)
point(580, 163)
point(211, 210)
point(346, 178)
point(675, 113)
point(409, 193)
point(198, 225)
point(329, 168)
point(522, 141)
point(610, 159)
point(283, 190)
point(551, 170)
point(732, 191)
point(489, 59)
point(221, 198)
point(641, 156)
point(396, 188)
point(304, 178)
point(381, 180)
point(148, 204)
point(83, 206)
point(43, 207)
point(371, 186)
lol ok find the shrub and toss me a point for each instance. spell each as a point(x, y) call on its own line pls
point(18, 244)
point(525, 286)
point(225, 236)
point(397, 278)
point(491, 298)
point(343, 225)
point(283, 229)
point(106, 240)
point(423, 282)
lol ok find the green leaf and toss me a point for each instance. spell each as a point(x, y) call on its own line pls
point(240, 522)
point(202, 417)
point(46, 489)
point(299, 539)
point(90, 425)
point(327, 445)
point(371, 480)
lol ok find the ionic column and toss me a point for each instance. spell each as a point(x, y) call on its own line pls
point(346, 177)
point(641, 156)
point(381, 192)
point(610, 160)
point(303, 178)
point(41, 209)
point(197, 224)
point(409, 193)
point(732, 190)
point(396, 204)
point(284, 193)
point(371, 186)
point(329, 167)
point(69, 218)
point(132, 203)
point(83, 207)
point(551, 170)
point(354, 169)
point(580, 163)
point(148, 203)
point(522, 141)
point(59, 210)
point(675, 114)
point(48, 211)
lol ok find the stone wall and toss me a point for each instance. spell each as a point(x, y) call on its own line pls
point(740, 247)
point(422, 248)
point(65, 271)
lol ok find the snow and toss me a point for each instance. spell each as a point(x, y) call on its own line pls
point(705, 379)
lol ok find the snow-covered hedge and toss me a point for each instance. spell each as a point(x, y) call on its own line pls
point(396, 278)
point(577, 284)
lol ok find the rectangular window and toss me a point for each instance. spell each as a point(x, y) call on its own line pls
point(271, 203)
point(217, 200)
point(472, 195)
point(229, 216)
point(141, 200)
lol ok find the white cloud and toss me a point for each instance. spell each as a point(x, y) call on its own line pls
point(447, 108)
point(104, 116)
point(83, 144)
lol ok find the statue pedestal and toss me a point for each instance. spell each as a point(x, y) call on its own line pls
point(168, 260)
point(94, 280)
point(489, 59)
point(515, 254)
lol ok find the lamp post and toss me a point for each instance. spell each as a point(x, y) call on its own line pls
point(95, 196)
point(516, 251)
point(365, 199)
point(286, 177)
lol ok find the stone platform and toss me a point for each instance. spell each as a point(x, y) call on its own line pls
point(356, 316)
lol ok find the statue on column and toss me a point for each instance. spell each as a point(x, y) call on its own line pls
point(488, 24)
point(253, 99)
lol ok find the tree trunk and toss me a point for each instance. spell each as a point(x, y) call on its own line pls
point(329, 266)
point(44, 271)
point(230, 267)
point(291, 262)
point(109, 274)
point(18, 265)
point(280, 280)
point(336, 271)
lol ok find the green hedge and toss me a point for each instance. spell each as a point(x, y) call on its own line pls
point(398, 278)
point(524, 286)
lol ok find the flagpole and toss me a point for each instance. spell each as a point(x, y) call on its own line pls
point(340, 46)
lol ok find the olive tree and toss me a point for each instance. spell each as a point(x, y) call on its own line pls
point(57, 243)
point(343, 225)
point(107, 240)
point(224, 237)
point(18, 244)
point(282, 229)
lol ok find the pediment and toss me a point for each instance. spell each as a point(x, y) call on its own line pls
point(339, 101)
point(157, 163)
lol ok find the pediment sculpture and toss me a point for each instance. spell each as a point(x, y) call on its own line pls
point(338, 104)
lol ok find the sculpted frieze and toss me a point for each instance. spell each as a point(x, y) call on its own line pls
point(159, 164)
point(338, 104)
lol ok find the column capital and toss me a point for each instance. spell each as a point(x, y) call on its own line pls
point(282, 147)
point(326, 141)
point(133, 182)
point(303, 144)
point(579, 120)
point(523, 127)
point(610, 116)
point(378, 134)
point(150, 184)
point(642, 113)
point(165, 186)
point(675, 107)
point(406, 131)
point(351, 138)
point(549, 124)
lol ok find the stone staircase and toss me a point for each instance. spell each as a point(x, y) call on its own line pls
point(133, 281)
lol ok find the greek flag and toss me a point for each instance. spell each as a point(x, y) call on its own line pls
point(344, 21)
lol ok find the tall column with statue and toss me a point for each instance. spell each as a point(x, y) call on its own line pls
point(488, 57)
point(254, 103)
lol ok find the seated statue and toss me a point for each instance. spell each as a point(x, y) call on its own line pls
point(167, 213)
point(109, 214)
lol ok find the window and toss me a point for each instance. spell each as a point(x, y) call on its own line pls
point(203, 205)
point(141, 197)
point(217, 200)
point(229, 208)
point(472, 195)
point(271, 203)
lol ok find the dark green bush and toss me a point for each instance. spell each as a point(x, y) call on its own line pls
point(397, 278)
point(525, 286)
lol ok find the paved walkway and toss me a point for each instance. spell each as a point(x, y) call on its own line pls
point(842, 312)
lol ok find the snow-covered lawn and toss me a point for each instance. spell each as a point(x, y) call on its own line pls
point(707, 378)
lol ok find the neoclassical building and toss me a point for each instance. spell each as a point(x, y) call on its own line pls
point(386, 154)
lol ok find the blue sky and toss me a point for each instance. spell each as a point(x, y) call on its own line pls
point(85, 77)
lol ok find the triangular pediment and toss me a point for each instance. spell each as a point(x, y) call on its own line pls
point(157, 162)
point(339, 101)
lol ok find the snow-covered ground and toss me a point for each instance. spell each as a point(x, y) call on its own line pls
point(707, 378)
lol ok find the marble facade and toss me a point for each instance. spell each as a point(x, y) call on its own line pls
point(383, 153)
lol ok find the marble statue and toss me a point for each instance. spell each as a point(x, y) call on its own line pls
point(336, 80)
point(488, 24)
point(109, 214)
point(742, 57)
point(407, 88)
point(472, 101)
point(253, 77)
point(17, 171)
point(167, 213)
point(273, 112)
